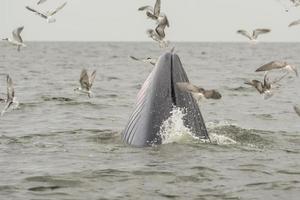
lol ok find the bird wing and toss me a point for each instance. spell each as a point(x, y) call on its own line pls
point(164, 21)
point(297, 110)
point(40, 2)
point(149, 8)
point(156, 11)
point(58, 9)
point(267, 84)
point(37, 12)
point(294, 23)
point(244, 33)
point(256, 84)
point(160, 30)
point(271, 65)
point(16, 34)
point(151, 16)
point(92, 78)
point(10, 89)
point(260, 31)
point(134, 58)
point(150, 60)
point(8, 104)
point(188, 87)
point(153, 34)
point(212, 94)
point(84, 80)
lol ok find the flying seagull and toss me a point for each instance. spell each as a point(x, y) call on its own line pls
point(17, 39)
point(11, 99)
point(297, 110)
point(264, 88)
point(149, 60)
point(278, 65)
point(86, 82)
point(48, 15)
point(40, 2)
point(198, 92)
point(259, 86)
point(255, 33)
point(152, 13)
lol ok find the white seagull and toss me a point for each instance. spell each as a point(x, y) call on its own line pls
point(48, 15)
point(86, 82)
point(11, 99)
point(17, 39)
point(278, 65)
point(255, 33)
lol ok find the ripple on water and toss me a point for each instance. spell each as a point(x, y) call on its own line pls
point(244, 137)
point(53, 181)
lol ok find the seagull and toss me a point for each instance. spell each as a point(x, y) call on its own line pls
point(278, 65)
point(40, 2)
point(149, 60)
point(17, 39)
point(255, 33)
point(11, 99)
point(259, 86)
point(86, 82)
point(48, 15)
point(294, 23)
point(152, 13)
point(198, 92)
point(265, 87)
point(297, 110)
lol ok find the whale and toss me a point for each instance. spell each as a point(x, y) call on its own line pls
point(155, 101)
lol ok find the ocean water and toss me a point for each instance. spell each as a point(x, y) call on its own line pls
point(62, 145)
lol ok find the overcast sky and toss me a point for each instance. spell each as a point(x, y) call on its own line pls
point(119, 20)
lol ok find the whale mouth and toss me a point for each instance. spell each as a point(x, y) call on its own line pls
point(156, 100)
point(172, 85)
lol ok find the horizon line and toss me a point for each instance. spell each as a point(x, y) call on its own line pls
point(144, 41)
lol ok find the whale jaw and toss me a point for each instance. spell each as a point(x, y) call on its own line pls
point(155, 102)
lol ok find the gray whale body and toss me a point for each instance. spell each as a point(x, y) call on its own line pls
point(155, 101)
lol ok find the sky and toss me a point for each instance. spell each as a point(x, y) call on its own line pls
point(119, 20)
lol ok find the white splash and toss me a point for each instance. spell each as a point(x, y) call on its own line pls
point(173, 129)
point(218, 138)
point(221, 139)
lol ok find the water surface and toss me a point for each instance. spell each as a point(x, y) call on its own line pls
point(61, 145)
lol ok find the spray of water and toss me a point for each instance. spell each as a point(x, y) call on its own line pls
point(174, 131)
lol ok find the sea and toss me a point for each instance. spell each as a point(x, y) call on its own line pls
point(60, 144)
